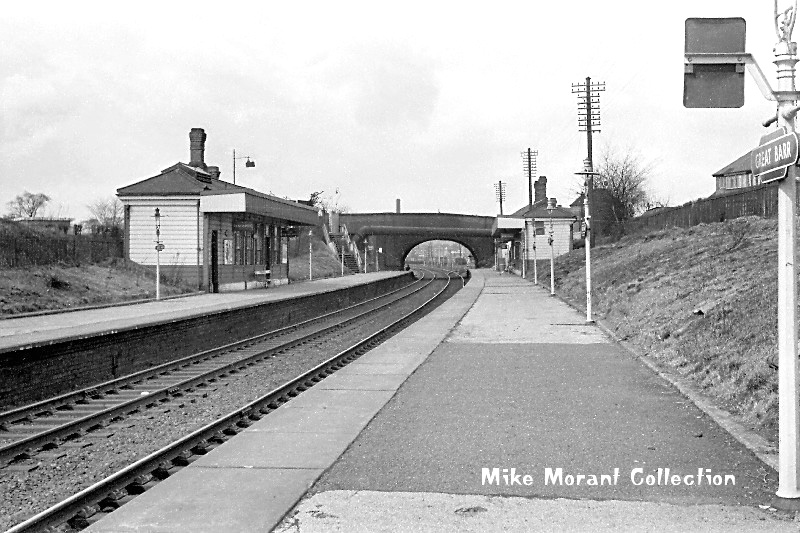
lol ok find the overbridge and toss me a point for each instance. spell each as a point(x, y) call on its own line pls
point(396, 234)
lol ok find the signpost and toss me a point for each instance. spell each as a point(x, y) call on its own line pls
point(776, 152)
point(586, 228)
point(159, 248)
point(722, 51)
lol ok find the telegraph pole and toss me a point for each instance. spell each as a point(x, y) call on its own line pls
point(500, 194)
point(589, 116)
point(529, 166)
point(589, 108)
point(588, 121)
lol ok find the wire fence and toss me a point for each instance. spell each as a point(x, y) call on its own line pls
point(29, 250)
point(759, 201)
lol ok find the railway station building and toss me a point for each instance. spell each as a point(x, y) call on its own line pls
point(215, 235)
point(517, 234)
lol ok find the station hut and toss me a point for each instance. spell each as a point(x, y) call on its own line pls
point(516, 234)
point(216, 235)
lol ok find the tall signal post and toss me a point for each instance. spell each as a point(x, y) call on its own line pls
point(714, 64)
point(500, 193)
point(588, 121)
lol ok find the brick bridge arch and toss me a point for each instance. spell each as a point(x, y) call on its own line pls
point(398, 233)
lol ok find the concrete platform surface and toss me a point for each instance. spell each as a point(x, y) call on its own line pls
point(303, 436)
point(24, 331)
point(513, 415)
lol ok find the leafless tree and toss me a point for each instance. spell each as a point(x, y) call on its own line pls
point(625, 175)
point(27, 204)
point(108, 212)
point(332, 202)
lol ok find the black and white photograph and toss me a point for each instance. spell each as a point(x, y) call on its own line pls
point(365, 266)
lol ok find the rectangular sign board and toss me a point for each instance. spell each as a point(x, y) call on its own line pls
point(776, 152)
point(711, 85)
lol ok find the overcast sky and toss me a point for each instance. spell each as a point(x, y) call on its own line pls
point(429, 102)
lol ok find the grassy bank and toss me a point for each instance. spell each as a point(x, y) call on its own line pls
point(60, 286)
point(325, 263)
point(702, 301)
point(50, 287)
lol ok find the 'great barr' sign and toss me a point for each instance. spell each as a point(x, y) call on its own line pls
point(774, 155)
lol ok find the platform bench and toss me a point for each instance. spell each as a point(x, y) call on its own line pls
point(264, 273)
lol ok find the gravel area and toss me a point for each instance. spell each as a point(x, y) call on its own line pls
point(34, 485)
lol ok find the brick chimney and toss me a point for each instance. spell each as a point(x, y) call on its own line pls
point(398, 205)
point(197, 148)
point(540, 190)
point(214, 171)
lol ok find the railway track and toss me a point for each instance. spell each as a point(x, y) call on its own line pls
point(117, 488)
point(45, 425)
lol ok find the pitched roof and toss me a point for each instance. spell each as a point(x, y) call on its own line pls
point(539, 210)
point(179, 179)
point(524, 209)
point(740, 166)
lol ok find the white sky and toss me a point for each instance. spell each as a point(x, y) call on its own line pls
point(429, 102)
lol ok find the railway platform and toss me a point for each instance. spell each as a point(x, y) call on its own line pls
point(502, 410)
point(47, 328)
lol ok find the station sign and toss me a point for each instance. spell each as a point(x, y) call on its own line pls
point(159, 247)
point(774, 155)
point(244, 225)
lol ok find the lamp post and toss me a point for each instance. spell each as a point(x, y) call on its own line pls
point(550, 206)
point(588, 175)
point(159, 247)
point(524, 248)
point(310, 233)
point(247, 164)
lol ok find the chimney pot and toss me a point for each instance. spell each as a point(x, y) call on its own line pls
point(214, 171)
point(540, 190)
point(197, 148)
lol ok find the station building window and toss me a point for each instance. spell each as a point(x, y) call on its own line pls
point(246, 243)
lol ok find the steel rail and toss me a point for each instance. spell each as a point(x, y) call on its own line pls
point(27, 446)
point(82, 502)
point(109, 387)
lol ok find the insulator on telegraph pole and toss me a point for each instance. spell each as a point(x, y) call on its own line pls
point(500, 193)
point(529, 167)
point(589, 108)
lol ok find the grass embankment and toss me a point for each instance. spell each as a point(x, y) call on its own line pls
point(325, 263)
point(702, 301)
point(38, 288)
point(52, 287)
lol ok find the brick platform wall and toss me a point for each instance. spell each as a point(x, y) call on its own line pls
point(37, 373)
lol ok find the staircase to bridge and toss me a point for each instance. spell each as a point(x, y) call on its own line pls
point(345, 256)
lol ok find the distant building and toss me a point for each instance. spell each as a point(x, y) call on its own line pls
point(736, 175)
point(606, 211)
point(62, 225)
point(517, 235)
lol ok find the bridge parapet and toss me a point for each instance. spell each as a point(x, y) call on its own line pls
point(396, 234)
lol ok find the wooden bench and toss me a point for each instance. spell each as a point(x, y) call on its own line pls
point(264, 273)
